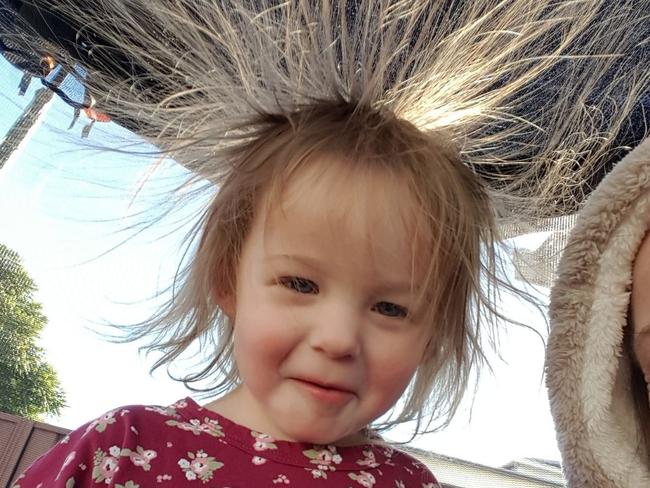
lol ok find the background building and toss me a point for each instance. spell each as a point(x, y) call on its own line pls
point(525, 473)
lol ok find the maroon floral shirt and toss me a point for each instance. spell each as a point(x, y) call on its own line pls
point(185, 445)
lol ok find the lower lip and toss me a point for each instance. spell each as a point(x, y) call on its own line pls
point(330, 396)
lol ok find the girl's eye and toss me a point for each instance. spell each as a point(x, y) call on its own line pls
point(390, 310)
point(299, 285)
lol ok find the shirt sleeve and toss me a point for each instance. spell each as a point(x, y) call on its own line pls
point(86, 456)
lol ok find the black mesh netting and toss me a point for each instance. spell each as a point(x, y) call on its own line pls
point(57, 55)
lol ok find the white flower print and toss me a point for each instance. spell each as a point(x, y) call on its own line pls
point(263, 442)
point(166, 411)
point(369, 459)
point(115, 451)
point(101, 423)
point(199, 465)
point(105, 466)
point(325, 458)
point(388, 452)
point(317, 473)
point(192, 426)
point(141, 457)
point(258, 461)
point(163, 477)
point(180, 404)
point(399, 484)
point(212, 427)
point(129, 484)
point(195, 426)
point(281, 479)
point(365, 479)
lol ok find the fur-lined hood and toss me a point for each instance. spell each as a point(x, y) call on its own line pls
point(588, 376)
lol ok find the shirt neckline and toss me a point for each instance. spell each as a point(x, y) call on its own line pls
point(263, 447)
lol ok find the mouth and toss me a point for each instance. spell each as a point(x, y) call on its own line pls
point(327, 393)
point(324, 385)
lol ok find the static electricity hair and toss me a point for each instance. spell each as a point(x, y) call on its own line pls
point(452, 221)
point(489, 109)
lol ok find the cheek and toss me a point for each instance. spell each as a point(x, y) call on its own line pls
point(393, 370)
point(261, 338)
point(396, 381)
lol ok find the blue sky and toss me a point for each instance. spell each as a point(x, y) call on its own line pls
point(63, 205)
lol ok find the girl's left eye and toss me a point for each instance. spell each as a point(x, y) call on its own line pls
point(299, 285)
point(390, 310)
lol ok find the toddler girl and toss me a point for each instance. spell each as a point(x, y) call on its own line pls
point(349, 253)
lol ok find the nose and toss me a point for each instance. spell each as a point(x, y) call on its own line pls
point(335, 332)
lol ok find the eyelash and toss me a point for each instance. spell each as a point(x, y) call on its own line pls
point(308, 287)
point(398, 312)
point(295, 283)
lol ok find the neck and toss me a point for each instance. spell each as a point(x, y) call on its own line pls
point(230, 407)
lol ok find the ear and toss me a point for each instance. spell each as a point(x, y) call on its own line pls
point(226, 302)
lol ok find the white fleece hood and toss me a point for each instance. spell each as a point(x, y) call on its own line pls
point(588, 377)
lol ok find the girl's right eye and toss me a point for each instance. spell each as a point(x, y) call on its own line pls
point(299, 285)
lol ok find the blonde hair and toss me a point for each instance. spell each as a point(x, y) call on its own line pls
point(533, 92)
point(442, 91)
point(456, 222)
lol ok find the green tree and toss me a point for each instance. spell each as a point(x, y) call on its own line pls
point(29, 386)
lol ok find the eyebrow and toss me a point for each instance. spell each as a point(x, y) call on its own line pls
point(304, 260)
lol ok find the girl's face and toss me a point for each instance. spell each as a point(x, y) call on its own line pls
point(322, 337)
point(640, 307)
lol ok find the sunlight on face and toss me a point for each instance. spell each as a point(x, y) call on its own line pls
point(324, 340)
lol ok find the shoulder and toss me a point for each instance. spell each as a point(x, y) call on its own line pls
point(121, 422)
point(409, 468)
point(131, 415)
point(94, 451)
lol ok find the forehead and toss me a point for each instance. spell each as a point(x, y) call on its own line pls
point(358, 208)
